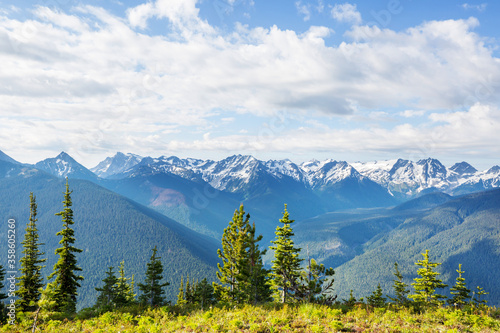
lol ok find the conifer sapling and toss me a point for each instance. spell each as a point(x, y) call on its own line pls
point(153, 293)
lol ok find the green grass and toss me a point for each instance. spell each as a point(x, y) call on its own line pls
point(272, 318)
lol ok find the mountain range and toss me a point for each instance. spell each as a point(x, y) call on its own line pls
point(350, 215)
point(201, 194)
point(403, 178)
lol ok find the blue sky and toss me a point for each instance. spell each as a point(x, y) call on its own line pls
point(355, 81)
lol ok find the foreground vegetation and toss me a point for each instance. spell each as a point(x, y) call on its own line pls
point(271, 317)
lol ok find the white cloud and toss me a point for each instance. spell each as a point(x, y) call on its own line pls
point(63, 20)
point(479, 8)
point(320, 6)
point(115, 86)
point(303, 9)
point(346, 13)
point(177, 10)
point(138, 16)
point(464, 132)
point(412, 113)
point(182, 15)
point(306, 9)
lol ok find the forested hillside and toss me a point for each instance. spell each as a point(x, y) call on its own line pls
point(464, 230)
point(108, 228)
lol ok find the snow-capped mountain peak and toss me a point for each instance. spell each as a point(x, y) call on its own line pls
point(116, 164)
point(285, 168)
point(63, 165)
point(322, 173)
point(234, 173)
point(432, 170)
point(494, 170)
point(463, 168)
point(378, 171)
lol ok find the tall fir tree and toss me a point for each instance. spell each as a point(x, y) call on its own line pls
point(459, 291)
point(31, 280)
point(124, 288)
point(234, 243)
point(400, 288)
point(108, 292)
point(255, 278)
point(425, 286)
point(285, 272)
point(242, 275)
point(66, 280)
point(152, 290)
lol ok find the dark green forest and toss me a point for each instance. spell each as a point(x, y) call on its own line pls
point(109, 229)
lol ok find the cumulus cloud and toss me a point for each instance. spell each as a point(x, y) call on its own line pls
point(138, 16)
point(346, 13)
point(457, 133)
point(182, 15)
point(107, 78)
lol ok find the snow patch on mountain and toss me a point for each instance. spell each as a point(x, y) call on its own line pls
point(328, 172)
point(116, 164)
point(378, 171)
point(398, 176)
point(410, 178)
point(64, 165)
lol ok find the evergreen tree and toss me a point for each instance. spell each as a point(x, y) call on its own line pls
point(477, 296)
point(66, 279)
point(108, 293)
point(204, 293)
point(242, 275)
point(189, 294)
point(181, 300)
point(31, 280)
point(256, 277)
point(124, 289)
point(3, 315)
point(400, 288)
point(233, 255)
point(316, 285)
point(425, 286)
point(459, 290)
point(153, 293)
point(48, 298)
point(376, 299)
point(351, 301)
point(196, 293)
point(285, 272)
